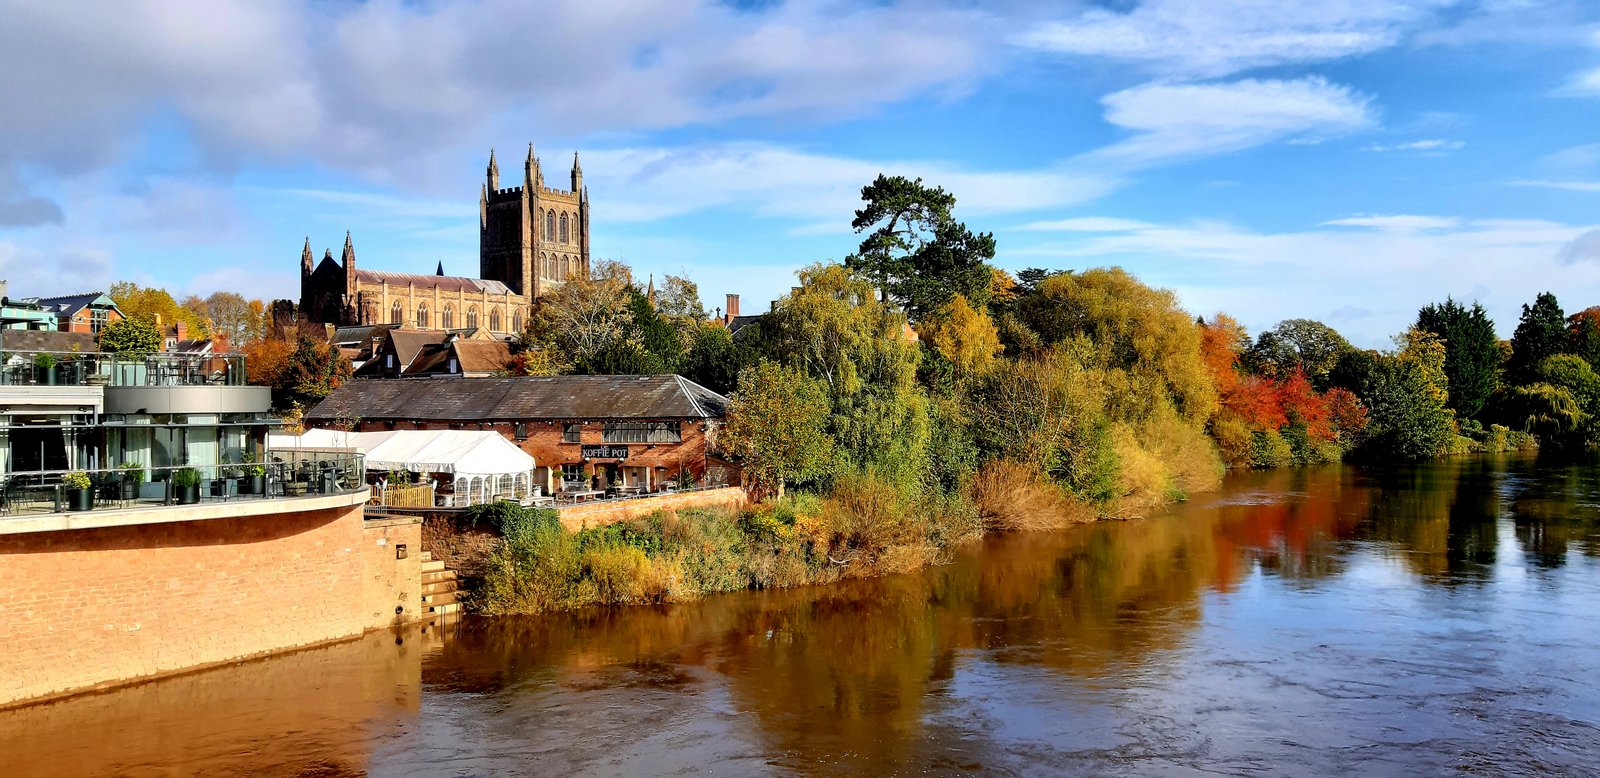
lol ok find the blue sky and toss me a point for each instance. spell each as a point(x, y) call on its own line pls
point(1346, 161)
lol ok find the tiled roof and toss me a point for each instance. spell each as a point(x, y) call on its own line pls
point(41, 340)
point(70, 303)
point(547, 397)
point(443, 283)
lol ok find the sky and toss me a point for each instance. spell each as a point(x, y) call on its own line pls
point(1342, 160)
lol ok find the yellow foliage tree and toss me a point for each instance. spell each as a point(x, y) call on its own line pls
point(965, 336)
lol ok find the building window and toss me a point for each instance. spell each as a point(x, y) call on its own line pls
point(472, 317)
point(563, 228)
point(566, 267)
point(494, 320)
point(397, 316)
point(422, 316)
point(642, 432)
point(520, 430)
point(572, 473)
point(448, 318)
point(572, 433)
point(549, 225)
point(98, 318)
point(516, 322)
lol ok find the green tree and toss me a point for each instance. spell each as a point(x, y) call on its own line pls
point(1472, 352)
point(1541, 333)
point(838, 332)
point(714, 359)
point(130, 336)
point(1570, 373)
point(1407, 401)
point(1311, 346)
point(777, 425)
point(916, 252)
point(680, 298)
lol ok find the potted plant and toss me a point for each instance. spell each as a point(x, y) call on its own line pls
point(129, 476)
point(80, 492)
point(227, 480)
point(186, 485)
point(46, 363)
point(255, 475)
point(297, 481)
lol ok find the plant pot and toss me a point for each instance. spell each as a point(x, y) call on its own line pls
point(294, 489)
point(222, 487)
point(129, 489)
point(48, 375)
point(187, 495)
point(80, 499)
point(253, 484)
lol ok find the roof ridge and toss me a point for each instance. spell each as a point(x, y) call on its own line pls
point(695, 401)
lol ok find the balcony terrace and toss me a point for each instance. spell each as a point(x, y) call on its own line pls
point(84, 368)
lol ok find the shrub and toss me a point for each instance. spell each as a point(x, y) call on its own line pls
point(76, 480)
point(1012, 495)
point(1269, 449)
point(186, 477)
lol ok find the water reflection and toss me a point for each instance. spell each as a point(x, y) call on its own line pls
point(1310, 621)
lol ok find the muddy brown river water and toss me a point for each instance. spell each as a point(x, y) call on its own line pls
point(1428, 620)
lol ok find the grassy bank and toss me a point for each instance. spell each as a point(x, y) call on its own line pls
point(861, 528)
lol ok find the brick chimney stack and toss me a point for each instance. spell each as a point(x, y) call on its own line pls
point(182, 329)
point(733, 306)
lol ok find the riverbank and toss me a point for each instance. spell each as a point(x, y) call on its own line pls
point(863, 528)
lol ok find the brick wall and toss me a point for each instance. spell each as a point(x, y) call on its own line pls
point(90, 607)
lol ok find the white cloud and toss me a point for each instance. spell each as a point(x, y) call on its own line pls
point(1086, 224)
point(1586, 83)
point(1398, 222)
point(1189, 40)
point(1428, 144)
point(650, 183)
point(1264, 277)
point(1584, 248)
point(1570, 186)
point(1186, 120)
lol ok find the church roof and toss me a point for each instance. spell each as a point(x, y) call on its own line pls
point(442, 283)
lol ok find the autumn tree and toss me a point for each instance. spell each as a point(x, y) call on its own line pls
point(1407, 400)
point(231, 314)
point(679, 297)
point(157, 307)
point(777, 423)
point(1472, 352)
point(964, 336)
point(314, 369)
point(1541, 333)
point(584, 316)
point(915, 251)
point(1583, 332)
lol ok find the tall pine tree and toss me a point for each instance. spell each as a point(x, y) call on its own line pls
point(1541, 333)
point(1472, 352)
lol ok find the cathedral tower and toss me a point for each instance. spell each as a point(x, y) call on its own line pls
point(532, 237)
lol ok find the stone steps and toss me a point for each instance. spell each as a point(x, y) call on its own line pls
point(439, 591)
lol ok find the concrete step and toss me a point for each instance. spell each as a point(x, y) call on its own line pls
point(440, 586)
point(435, 577)
point(432, 565)
point(439, 599)
point(427, 556)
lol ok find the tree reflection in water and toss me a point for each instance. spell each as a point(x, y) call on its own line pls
point(1016, 655)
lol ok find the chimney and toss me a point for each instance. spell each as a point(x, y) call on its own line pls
point(733, 305)
point(183, 330)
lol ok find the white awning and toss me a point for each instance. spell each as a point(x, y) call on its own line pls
point(465, 453)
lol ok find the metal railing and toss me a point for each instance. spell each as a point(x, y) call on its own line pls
point(93, 368)
point(284, 474)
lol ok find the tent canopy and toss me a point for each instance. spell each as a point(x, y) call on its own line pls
point(464, 453)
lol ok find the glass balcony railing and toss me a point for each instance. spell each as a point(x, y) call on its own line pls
point(284, 474)
point(82, 368)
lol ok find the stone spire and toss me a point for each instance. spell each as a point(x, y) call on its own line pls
point(494, 172)
point(348, 258)
point(440, 271)
point(305, 258)
point(531, 174)
point(577, 174)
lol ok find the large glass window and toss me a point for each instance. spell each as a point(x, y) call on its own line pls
point(397, 315)
point(642, 432)
point(472, 317)
point(494, 320)
point(448, 318)
point(422, 316)
point(572, 433)
point(563, 228)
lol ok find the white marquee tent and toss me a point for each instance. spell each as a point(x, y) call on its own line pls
point(485, 465)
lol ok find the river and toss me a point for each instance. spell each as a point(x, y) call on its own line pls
point(1436, 619)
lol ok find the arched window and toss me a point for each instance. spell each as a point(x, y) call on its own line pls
point(448, 318)
point(494, 320)
point(397, 315)
point(472, 317)
point(563, 228)
point(422, 316)
point(516, 322)
point(549, 225)
point(566, 266)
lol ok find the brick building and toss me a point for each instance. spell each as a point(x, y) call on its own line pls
point(87, 312)
point(530, 239)
point(640, 432)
